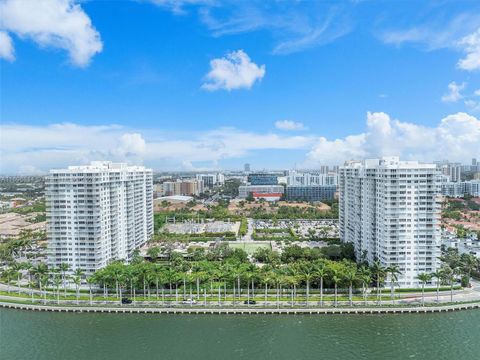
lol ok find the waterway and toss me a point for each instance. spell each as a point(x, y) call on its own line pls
point(43, 335)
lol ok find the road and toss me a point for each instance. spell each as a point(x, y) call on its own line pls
point(248, 235)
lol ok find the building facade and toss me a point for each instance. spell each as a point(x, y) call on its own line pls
point(311, 193)
point(180, 187)
point(296, 178)
point(262, 179)
point(452, 170)
point(245, 190)
point(210, 180)
point(390, 211)
point(97, 213)
point(460, 189)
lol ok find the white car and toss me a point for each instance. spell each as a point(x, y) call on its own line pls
point(189, 301)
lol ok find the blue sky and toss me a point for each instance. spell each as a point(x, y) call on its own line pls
point(214, 84)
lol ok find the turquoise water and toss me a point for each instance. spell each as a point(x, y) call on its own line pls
point(35, 335)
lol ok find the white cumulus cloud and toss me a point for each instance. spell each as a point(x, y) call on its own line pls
point(289, 125)
point(470, 44)
point(131, 144)
point(6, 47)
point(234, 71)
point(454, 92)
point(456, 137)
point(36, 148)
point(24, 147)
point(52, 23)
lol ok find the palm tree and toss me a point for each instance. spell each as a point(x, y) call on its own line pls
point(158, 276)
point(365, 277)
point(307, 273)
point(267, 277)
point(8, 273)
point(77, 278)
point(57, 281)
point(320, 272)
point(279, 279)
point(130, 275)
point(153, 253)
point(423, 277)
point(142, 271)
point(438, 275)
point(171, 276)
point(350, 275)
point(379, 271)
point(17, 268)
point(335, 275)
point(64, 267)
point(469, 264)
point(40, 271)
point(31, 285)
point(393, 272)
point(28, 267)
point(116, 272)
point(44, 280)
point(250, 275)
point(90, 281)
point(291, 280)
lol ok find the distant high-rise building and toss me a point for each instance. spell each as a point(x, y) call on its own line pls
point(209, 180)
point(97, 213)
point(453, 170)
point(390, 211)
point(246, 167)
point(474, 162)
point(324, 169)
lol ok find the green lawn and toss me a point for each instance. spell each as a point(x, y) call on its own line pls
point(249, 248)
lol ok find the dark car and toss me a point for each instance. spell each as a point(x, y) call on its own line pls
point(249, 302)
point(126, 301)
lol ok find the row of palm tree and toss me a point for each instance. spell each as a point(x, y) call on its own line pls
point(41, 277)
point(234, 278)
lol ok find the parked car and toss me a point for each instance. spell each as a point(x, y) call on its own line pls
point(249, 302)
point(189, 301)
point(126, 301)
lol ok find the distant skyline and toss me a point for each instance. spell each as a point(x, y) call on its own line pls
point(211, 84)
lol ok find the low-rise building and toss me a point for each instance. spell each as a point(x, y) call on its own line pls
point(258, 190)
point(298, 178)
point(179, 187)
point(262, 179)
point(311, 193)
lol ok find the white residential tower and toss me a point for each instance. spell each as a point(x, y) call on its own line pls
point(98, 213)
point(390, 211)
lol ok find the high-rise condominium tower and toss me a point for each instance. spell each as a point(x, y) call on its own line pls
point(98, 213)
point(390, 211)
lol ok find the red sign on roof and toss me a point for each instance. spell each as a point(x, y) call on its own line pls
point(256, 194)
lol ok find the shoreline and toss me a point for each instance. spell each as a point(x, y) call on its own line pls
point(244, 311)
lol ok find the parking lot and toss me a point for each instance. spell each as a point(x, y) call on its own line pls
point(301, 228)
point(191, 227)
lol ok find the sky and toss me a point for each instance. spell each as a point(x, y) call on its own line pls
point(210, 85)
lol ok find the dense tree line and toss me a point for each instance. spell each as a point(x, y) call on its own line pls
point(231, 275)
